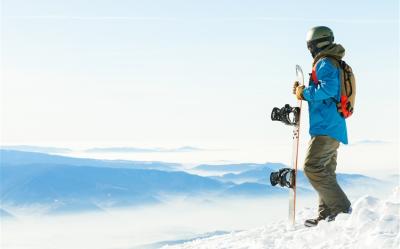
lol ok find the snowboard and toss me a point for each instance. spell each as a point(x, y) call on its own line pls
point(295, 153)
point(286, 177)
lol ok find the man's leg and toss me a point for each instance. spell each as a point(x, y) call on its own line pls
point(323, 210)
point(319, 167)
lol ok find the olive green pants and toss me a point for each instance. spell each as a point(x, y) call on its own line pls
point(319, 167)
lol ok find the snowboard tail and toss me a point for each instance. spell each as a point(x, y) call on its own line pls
point(292, 191)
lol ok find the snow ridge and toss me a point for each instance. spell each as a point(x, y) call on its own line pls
point(374, 223)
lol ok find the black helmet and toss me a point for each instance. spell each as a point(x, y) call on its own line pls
point(318, 38)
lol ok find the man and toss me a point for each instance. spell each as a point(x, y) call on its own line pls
point(327, 126)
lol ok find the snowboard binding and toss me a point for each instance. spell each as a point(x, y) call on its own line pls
point(285, 177)
point(287, 114)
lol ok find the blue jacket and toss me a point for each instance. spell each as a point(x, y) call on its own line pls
point(323, 114)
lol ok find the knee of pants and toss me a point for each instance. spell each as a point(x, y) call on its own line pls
point(315, 174)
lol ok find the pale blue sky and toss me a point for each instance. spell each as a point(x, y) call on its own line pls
point(197, 73)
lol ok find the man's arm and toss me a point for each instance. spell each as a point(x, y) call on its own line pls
point(328, 86)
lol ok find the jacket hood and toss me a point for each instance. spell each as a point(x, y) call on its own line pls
point(334, 50)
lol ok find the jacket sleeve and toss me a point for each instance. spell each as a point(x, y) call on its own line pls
point(328, 87)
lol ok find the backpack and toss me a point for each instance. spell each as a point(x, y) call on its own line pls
point(347, 86)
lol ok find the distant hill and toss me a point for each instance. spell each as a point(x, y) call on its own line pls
point(15, 157)
point(253, 189)
point(356, 183)
point(39, 149)
point(5, 214)
point(237, 168)
point(250, 189)
point(258, 174)
point(90, 186)
point(75, 184)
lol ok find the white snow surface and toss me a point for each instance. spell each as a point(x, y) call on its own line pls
point(374, 223)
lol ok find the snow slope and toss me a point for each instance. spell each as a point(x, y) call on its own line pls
point(373, 224)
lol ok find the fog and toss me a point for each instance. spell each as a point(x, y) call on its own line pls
point(178, 219)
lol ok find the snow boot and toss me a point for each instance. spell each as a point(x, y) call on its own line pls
point(328, 218)
point(323, 213)
point(313, 222)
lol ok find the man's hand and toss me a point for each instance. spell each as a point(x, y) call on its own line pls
point(295, 85)
point(298, 90)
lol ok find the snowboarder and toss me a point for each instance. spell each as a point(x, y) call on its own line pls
point(327, 125)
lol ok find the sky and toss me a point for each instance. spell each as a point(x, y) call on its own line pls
point(207, 74)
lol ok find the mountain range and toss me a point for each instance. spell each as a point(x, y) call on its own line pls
point(67, 184)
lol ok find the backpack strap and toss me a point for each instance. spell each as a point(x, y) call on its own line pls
point(317, 59)
point(314, 78)
point(335, 62)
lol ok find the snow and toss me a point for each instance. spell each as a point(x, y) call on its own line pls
point(374, 223)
